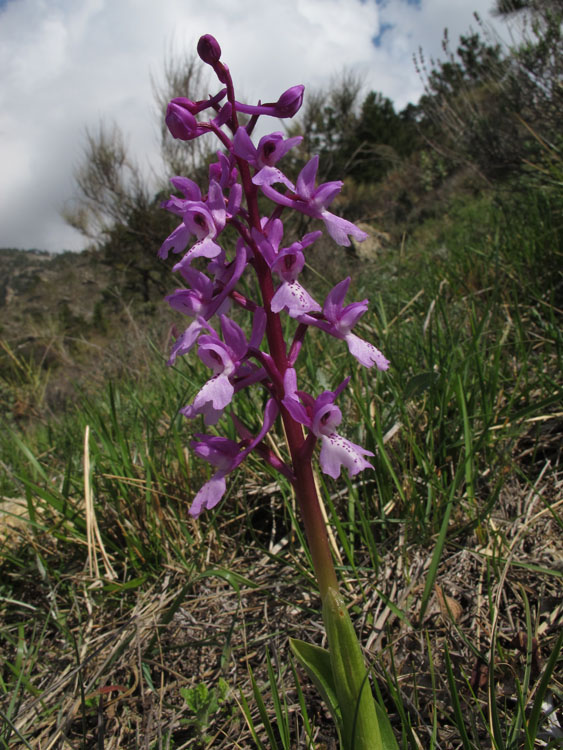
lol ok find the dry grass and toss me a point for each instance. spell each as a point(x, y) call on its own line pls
point(111, 663)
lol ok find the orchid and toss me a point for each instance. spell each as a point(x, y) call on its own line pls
point(290, 295)
point(322, 417)
point(338, 321)
point(265, 361)
point(240, 170)
point(271, 148)
point(226, 455)
point(307, 199)
point(225, 359)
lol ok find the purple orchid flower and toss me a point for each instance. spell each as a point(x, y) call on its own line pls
point(224, 172)
point(226, 455)
point(338, 322)
point(196, 303)
point(268, 239)
point(196, 220)
point(322, 417)
point(290, 295)
point(224, 359)
point(204, 219)
point(205, 298)
point(270, 148)
point(195, 300)
point(307, 199)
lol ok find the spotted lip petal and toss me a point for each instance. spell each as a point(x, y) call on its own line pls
point(336, 452)
point(294, 298)
point(212, 400)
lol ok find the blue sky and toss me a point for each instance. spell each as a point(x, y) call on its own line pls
point(67, 64)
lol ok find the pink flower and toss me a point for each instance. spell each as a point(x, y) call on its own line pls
point(226, 455)
point(224, 358)
point(270, 148)
point(309, 200)
point(338, 322)
point(291, 295)
point(322, 417)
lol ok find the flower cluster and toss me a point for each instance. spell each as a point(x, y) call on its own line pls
point(243, 171)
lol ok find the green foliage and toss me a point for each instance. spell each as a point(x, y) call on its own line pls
point(129, 249)
point(380, 139)
point(363, 142)
point(204, 703)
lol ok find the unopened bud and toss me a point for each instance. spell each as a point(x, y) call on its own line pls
point(180, 121)
point(289, 102)
point(208, 49)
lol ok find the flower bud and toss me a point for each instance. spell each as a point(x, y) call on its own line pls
point(208, 49)
point(180, 121)
point(289, 102)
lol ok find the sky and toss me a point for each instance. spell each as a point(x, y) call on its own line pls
point(68, 65)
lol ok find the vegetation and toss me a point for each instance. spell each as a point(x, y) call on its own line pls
point(127, 624)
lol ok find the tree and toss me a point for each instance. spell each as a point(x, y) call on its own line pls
point(356, 140)
point(381, 138)
point(481, 103)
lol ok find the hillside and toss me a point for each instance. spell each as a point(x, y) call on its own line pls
point(65, 319)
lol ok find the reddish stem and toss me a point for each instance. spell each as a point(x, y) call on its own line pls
point(305, 487)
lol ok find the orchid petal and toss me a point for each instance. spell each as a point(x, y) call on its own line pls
point(293, 297)
point(211, 401)
point(366, 353)
point(244, 148)
point(176, 242)
point(336, 452)
point(306, 180)
point(269, 176)
point(333, 303)
point(188, 187)
point(209, 495)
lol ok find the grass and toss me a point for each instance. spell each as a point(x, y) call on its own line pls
point(126, 624)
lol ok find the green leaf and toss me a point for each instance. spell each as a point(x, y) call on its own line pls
point(316, 662)
point(360, 724)
point(388, 741)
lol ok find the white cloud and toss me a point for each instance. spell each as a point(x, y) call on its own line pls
point(66, 64)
